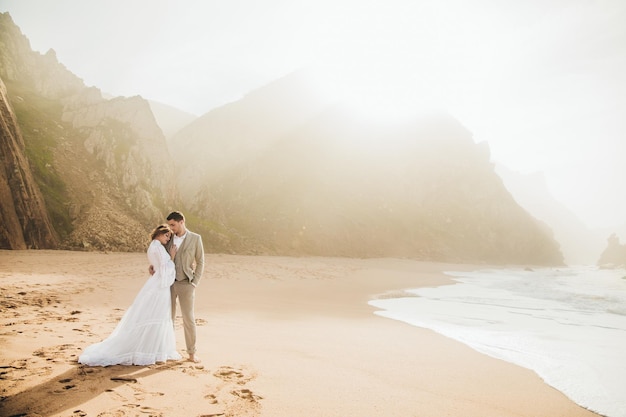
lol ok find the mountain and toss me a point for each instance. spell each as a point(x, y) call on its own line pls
point(101, 166)
point(169, 118)
point(282, 171)
point(231, 135)
point(579, 244)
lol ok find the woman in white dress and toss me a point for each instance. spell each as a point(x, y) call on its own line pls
point(145, 335)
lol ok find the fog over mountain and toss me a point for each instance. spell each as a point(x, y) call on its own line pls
point(544, 83)
point(279, 171)
point(170, 119)
point(283, 171)
point(579, 244)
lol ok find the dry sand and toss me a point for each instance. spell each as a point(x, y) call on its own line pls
point(277, 337)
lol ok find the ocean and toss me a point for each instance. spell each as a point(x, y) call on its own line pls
point(566, 324)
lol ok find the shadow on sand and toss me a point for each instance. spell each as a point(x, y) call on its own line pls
point(75, 387)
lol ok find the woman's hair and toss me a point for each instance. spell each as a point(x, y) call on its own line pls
point(160, 230)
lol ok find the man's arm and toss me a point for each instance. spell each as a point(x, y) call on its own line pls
point(199, 257)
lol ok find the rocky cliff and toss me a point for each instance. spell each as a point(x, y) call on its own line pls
point(579, 244)
point(102, 165)
point(282, 172)
point(25, 221)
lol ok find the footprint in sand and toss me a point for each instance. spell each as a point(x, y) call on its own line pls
point(246, 394)
point(211, 398)
point(188, 368)
point(140, 394)
point(115, 395)
point(150, 411)
point(13, 373)
point(113, 413)
point(58, 353)
point(131, 410)
point(216, 409)
point(72, 314)
point(236, 399)
point(66, 387)
point(20, 370)
point(85, 330)
point(226, 373)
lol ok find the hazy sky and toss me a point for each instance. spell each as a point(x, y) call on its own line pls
point(543, 81)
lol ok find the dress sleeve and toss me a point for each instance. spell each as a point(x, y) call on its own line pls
point(163, 265)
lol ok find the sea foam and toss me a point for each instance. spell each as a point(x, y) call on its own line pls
point(567, 324)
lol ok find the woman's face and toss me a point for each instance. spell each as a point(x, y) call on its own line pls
point(164, 238)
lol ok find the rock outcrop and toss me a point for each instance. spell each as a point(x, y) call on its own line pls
point(614, 256)
point(25, 221)
point(102, 166)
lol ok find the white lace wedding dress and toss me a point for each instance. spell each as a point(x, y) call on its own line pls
point(145, 335)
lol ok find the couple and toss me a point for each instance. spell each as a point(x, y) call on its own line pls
point(145, 335)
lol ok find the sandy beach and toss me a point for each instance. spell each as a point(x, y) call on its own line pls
point(277, 336)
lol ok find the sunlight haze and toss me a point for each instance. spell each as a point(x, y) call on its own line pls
point(543, 82)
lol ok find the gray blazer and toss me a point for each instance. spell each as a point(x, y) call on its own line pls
point(189, 259)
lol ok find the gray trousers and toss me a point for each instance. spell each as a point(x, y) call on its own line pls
point(186, 293)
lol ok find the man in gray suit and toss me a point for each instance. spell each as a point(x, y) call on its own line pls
point(189, 262)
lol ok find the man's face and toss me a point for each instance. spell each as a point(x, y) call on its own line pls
point(175, 226)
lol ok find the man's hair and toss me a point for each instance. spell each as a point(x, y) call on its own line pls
point(176, 216)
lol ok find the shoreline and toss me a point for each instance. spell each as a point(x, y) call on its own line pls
point(278, 336)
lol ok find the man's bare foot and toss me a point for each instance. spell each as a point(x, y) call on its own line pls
point(192, 358)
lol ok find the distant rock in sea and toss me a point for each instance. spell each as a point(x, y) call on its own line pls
point(614, 256)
